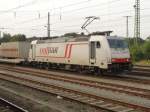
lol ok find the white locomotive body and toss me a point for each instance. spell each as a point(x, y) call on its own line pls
point(92, 53)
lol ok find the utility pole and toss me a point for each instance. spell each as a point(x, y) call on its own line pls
point(48, 26)
point(137, 21)
point(127, 28)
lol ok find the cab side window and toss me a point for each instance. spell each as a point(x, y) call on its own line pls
point(31, 46)
point(98, 45)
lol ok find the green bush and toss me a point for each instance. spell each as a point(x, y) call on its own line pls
point(141, 51)
point(136, 53)
point(146, 50)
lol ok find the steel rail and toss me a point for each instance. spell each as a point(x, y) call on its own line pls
point(114, 77)
point(143, 71)
point(142, 66)
point(12, 106)
point(100, 85)
point(62, 91)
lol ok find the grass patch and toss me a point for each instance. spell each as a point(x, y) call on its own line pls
point(143, 62)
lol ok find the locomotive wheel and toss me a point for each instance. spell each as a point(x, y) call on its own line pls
point(98, 72)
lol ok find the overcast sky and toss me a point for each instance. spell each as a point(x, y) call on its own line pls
point(29, 17)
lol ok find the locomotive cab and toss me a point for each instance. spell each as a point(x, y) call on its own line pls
point(99, 52)
point(120, 55)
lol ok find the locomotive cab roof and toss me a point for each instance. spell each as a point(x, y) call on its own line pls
point(115, 37)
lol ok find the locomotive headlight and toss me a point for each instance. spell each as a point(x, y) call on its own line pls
point(113, 60)
point(128, 59)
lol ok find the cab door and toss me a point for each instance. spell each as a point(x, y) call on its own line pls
point(92, 52)
point(33, 51)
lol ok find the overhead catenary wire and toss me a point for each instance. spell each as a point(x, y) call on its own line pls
point(77, 25)
point(71, 11)
point(18, 7)
point(44, 17)
point(49, 10)
point(36, 19)
point(68, 30)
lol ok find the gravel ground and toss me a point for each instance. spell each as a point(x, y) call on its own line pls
point(103, 93)
point(5, 109)
point(37, 101)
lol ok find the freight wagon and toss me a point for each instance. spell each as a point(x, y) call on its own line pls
point(14, 51)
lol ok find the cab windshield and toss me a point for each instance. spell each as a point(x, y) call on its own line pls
point(117, 43)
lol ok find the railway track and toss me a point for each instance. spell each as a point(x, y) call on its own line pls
point(118, 77)
point(89, 83)
point(144, 66)
point(96, 84)
point(129, 78)
point(6, 106)
point(88, 100)
point(106, 76)
point(146, 69)
point(141, 71)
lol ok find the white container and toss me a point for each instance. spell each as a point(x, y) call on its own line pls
point(15, 50)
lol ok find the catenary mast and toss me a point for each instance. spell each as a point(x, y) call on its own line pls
point(137, 21)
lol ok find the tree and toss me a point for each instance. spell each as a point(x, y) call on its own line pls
point(6, 37)
point(140, 52)
point(18, 37)
point(71, 34)
point(146, 50)
point(136, 53)
point(148, 38)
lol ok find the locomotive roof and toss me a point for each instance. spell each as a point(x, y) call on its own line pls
point(64, 39)
point(72, 39)
point(115, 37)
